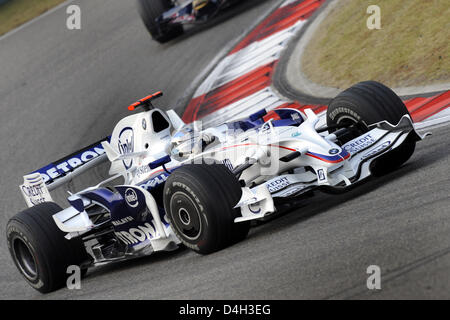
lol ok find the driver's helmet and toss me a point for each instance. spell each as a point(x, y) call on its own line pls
point(187, 141)
point(183, 141)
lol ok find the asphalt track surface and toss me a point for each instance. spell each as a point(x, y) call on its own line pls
point(61, 90)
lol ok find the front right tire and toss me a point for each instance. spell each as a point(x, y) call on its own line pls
point(367, 103)
point(199, 200)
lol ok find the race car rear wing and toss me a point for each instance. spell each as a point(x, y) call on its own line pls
point(38, 184)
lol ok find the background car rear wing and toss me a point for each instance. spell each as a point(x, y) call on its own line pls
point(38, 184)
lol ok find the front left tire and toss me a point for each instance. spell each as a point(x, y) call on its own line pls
point(39, 249)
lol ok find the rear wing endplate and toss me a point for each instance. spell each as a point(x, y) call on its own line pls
point(38, 184)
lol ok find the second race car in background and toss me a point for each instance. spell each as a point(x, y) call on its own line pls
point(164, 19)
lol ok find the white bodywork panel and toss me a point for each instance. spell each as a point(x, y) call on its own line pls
point(34, 190)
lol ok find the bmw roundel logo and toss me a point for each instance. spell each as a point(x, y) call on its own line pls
point(144, 124)
point(334, 151)
point(131, 198)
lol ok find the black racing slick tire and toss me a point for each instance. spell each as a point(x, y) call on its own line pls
point(150, 11)
point(39, 249)
point(199, 200)
point(367, 103)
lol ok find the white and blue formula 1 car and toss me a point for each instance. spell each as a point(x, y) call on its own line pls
point(201, 188)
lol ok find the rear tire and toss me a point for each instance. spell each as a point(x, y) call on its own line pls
point(149, 11)
point(367, 103)
point(39, 249)
point(199, 200)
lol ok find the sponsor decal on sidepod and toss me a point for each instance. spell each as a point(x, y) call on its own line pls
point(131, 198)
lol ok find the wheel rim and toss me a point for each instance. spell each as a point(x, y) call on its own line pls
point(25, 259)
point(185, 216)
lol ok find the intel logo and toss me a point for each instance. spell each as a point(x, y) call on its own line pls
point(131, 198)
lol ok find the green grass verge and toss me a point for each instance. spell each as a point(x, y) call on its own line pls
point(16, 12)
point(411, 48)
